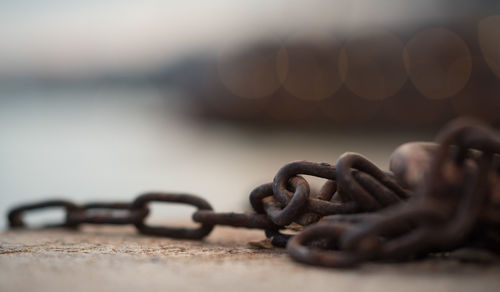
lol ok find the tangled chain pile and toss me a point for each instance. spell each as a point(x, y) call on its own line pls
point(437, 197)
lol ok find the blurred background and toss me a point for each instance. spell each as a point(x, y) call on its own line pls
point(103, 100)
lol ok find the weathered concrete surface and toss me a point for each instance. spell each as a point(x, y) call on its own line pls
point(117, 259)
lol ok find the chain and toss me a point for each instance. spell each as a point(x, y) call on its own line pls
point(456, 204)
point(437, 197)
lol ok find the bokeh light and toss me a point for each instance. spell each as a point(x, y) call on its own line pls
point(438, 62)
point(488, 34)
point(253, 73)
point(374, 67)
point(480, 97)
point(313, 70)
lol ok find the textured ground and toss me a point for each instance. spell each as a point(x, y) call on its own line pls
point(104, 259)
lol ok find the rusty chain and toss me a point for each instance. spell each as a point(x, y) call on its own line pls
point(437, 196)
point(455, 204)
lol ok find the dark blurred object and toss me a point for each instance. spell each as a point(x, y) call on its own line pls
point(422, 74)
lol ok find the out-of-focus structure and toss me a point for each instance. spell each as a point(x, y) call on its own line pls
point(288, 62)
point(418, 73)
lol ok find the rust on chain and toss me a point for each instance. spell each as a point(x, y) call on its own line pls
point(117, 213)
point(287, 172)
point(436, 197)
point(15, 215)
point(446, 212)
point(258, 221)
point(173, 232)
point(284, 216)
point(371, 184)
point(454, 193)
point(300, 250)
point(369, 194)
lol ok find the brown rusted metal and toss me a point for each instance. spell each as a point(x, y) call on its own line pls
point(285, 215)
point(447, 211)
point(410, 161)
point(280, 184)
point(257, 221)
point(118, 213)
point(173, 232)
point(369, 194)
point(288, 199)
point(15, 215)
point(300, 250)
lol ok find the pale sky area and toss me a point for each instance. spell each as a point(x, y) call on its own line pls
point(83, 38)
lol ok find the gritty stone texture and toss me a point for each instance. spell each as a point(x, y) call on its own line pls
point(118, 259)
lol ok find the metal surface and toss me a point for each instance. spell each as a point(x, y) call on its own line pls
point(107, 213)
